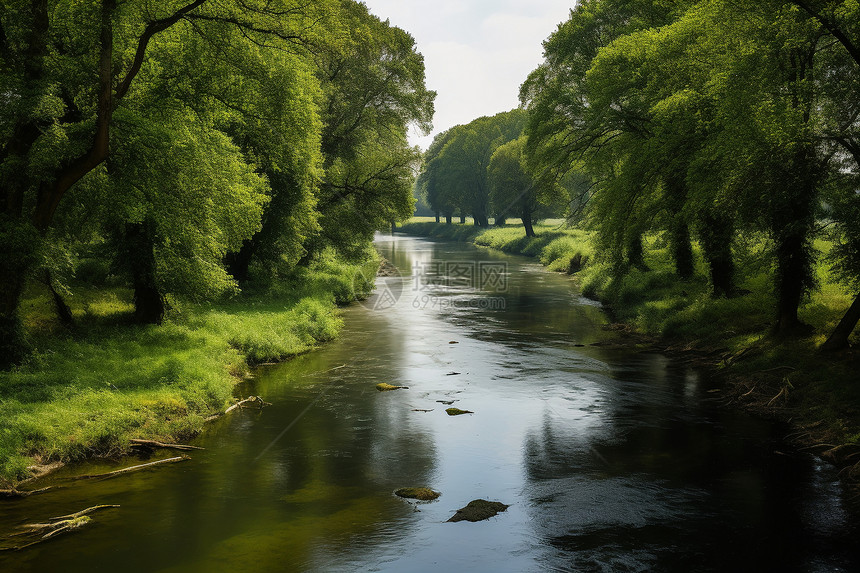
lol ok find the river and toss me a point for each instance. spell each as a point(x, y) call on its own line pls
point(611, 458)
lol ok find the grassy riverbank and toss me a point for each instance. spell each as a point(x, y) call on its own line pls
point(87, 391)
point(733, 335)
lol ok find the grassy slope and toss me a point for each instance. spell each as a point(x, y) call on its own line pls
point(735, 332)
point(88, 392)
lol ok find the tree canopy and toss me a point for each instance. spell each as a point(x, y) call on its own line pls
point(703, 120)
point(194, 140)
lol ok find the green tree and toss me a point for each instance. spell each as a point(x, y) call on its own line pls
point(514, 191)
point(67, 69)
point(374, 92)
point(459, 170)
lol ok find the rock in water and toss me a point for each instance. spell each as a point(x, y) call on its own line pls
point(383, 387)
point(478, 510)
point(457, 412)
point(419, 493)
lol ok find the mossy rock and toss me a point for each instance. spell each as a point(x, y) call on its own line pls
point(478, 510)
point(419, 493)
point(457, 412)
point(383, 387)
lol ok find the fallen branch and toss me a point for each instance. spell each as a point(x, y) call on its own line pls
point(154, 444)
point(782, 393)
point(39, 532)
point(83, 512)
point(135, 468)
point(252, 400)
point(15, 494)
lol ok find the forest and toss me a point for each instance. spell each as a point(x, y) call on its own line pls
point(715, 126)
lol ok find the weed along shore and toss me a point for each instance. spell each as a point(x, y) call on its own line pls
point(783, 378)
point(108, 388)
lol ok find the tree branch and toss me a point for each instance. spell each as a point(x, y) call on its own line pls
point(151, 30)
point(246, 26)
point(831, 27)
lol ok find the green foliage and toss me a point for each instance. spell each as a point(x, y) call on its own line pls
point(706, 120)
point(455, 177)
point(374, 92)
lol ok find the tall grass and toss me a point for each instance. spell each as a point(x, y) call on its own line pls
point(88, 392)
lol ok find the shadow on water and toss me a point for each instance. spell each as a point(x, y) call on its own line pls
point(611, 459)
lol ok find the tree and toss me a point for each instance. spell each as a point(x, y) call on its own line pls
point(374, 91)
point(68, 68)
point(457, 173)
point(514, 191)
point(429, 181)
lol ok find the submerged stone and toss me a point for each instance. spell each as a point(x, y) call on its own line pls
point(419, 493)
point(478, 510)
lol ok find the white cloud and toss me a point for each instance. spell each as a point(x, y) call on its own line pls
point(477, 52)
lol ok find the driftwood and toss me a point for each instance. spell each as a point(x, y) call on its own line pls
point(135, 468)
point(153, 444)
point(15, 494)
point(246, 402)
point(39, 532)
point(83, 512)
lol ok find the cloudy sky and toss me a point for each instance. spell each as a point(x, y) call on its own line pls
point(477, 52)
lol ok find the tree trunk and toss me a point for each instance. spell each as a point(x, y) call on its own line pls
point(716, 237)
point(13, 344)
point(793, 220)
point(64, 313)
point(238, 263)
point(635, 253)
point(793, 268)
point(679, 231)
point(526, 217)
point(19, 247)
point(839, 338)
point(449, 219)
point(437, 217)
point(682, 252)
point(148, 302)
point(462, 219)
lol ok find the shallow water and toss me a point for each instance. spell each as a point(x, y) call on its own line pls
point(612, 459)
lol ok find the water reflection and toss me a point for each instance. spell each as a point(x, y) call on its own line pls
point(613, 460)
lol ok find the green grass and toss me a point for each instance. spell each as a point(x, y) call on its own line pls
point(89, 391)
point(684, 314)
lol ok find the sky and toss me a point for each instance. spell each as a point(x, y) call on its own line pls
point(476, 52)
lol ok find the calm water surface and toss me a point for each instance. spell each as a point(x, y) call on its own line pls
point(611, 459)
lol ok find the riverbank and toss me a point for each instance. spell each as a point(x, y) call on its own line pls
point(782, 379)
point(87, 392)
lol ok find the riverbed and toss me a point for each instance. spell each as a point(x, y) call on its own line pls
point(611, 457)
